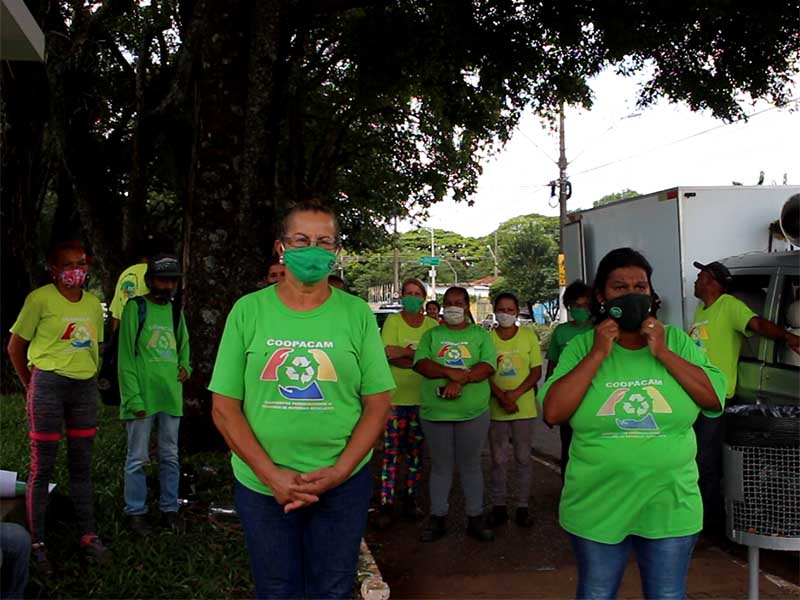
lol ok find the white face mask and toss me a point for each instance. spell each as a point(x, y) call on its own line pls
point(506, 320)
point(453, 315)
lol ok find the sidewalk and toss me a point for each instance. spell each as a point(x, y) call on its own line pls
point(538, 562)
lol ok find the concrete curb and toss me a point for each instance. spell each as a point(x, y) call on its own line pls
point(368, 576)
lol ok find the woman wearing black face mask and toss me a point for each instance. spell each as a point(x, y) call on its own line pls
point(631, 389)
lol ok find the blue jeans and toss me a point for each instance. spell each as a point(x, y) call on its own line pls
point(663, 565)
point(15, 550)
point(169, 469)
point(311, 552)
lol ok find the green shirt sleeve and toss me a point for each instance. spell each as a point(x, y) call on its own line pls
point(424, 347)
point(556, 346)
point(535, 358)
point(572, 355)
point(28, 319)
point(739, 315)
point(487, 351)
point(390, 332)
point(682, 345)
point(375, 374)
point(183, 345)
point(228, 376)
point(130, 390)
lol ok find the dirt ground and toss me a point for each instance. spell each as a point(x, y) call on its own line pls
point(537, 562)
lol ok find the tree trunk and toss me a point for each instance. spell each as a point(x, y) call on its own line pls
point(26, 175)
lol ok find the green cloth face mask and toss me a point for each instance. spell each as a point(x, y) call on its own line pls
point(309, 265)
point(412, 304)
point(579, 314)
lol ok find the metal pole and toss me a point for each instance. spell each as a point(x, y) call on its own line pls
point(562, 202)
point(433, 267)
point(752, 572)
point(495, 253)
point(396, 280)
point(562, 179)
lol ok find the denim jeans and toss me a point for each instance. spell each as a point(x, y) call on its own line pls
point(663, 565)
point(15, 550)
point(311, 552)
point(169, 469)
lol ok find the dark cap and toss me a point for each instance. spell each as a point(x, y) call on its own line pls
point(718, 271)
point(164, 265)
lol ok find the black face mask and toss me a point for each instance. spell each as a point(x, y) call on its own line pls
point(629, 311)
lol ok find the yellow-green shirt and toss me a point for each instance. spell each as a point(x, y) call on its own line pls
point(63, 335)
point(396, 332)
point(130, 284)
point(516, 358)
point(718, 330)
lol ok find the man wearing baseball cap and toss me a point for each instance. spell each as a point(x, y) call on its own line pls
point(720, 323)
point(153, 364)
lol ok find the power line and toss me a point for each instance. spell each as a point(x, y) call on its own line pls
point(683, 139)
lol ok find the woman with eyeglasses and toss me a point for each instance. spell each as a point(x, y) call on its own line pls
point(301, 390)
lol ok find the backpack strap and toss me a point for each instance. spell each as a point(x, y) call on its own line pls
point(141, 304)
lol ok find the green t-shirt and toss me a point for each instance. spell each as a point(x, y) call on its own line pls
point(460, 349)
point(396, 332)
point(631, 467)
point(130, 283)
point(718, 330)
point(300, 377)
point(149, 381)
point(562, 334)
point(63, 335)
point(515, 358)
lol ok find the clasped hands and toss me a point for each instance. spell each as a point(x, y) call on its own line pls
point(294, 490)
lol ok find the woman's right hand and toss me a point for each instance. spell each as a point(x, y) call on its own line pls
point(284, 485)
point(460, 376)
point(605, 334)
point(451, 390)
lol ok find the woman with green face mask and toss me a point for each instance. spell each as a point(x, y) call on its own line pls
point(402, 441)
point(301, 390)
point(578, 301)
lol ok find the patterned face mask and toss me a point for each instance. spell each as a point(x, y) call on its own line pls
point(73, 277)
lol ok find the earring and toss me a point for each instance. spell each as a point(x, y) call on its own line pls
point(280, 259)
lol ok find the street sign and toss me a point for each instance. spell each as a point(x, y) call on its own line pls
point(431, 261)
point(562, 271)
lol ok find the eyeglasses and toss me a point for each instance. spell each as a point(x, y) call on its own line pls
point(303, 241)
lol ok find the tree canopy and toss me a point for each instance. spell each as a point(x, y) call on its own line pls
point(615, 197)
point(201, 119)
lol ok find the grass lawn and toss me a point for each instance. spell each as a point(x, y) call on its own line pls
point(205, 561)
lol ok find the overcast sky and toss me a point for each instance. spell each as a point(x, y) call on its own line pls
point(647, 153)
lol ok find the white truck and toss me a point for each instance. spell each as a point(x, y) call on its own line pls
point(674, 228)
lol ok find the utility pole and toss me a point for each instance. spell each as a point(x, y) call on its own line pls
point(494, 257)
point(396, 280)
point(562, 179)
point(432, 272)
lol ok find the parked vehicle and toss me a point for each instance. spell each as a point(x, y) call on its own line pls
point(674, 228)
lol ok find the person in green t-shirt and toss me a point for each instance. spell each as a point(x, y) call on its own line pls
point(456, 359)
point(631, 389)
point(153, 364)
point(577, 300)
point(301, 391)
point(720, 324)
point(403, 439)
point(512, 407)
point(54, 350)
